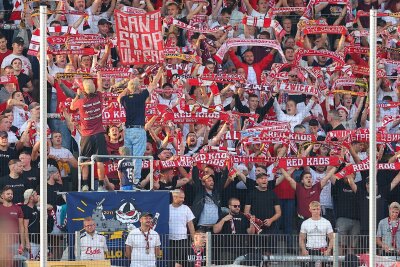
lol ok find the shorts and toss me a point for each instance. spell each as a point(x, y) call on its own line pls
point(94, 145)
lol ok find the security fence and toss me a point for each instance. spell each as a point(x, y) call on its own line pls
point(204, 249)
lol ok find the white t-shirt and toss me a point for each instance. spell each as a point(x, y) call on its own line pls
point(316, 231)
point(178, 219)
point(136, 240)
point(19, 116)
point(93, 247)
point(61, 153)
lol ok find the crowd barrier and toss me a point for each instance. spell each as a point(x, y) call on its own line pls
point(91, 162)
point(218, 250)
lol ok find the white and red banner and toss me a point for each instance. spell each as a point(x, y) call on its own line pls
point(308, 161)
point(139, 37)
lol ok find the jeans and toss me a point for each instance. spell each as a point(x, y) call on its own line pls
point(135, 140)
point(59, 125)
point(286, 221)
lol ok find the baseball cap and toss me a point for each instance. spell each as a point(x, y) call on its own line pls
point(145, 213)
point(27, 194)
point(103, 21)
point(50, 170)
point(18, 40)
point(3, 134)
point(395, 205)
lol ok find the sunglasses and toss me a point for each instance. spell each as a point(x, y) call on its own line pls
point(236, 206)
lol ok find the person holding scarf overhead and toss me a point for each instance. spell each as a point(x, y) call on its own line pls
point(133, 99)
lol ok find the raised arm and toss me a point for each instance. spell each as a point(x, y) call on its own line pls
point(292, 182)
point(324, 181)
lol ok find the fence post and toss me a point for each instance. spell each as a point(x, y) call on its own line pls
point(77, 246)
point(208, 249)
point(336, 250)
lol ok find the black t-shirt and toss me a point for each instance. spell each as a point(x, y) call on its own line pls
point(262, 203)
point(134, 105)
point(52, 197)
point(241, 225)
point(191, 256)
point(345, 201)
point(170, 185)
point(32, 214)
point(32, 176)
point(18, 186)
point(5, 157)
point(363, 200)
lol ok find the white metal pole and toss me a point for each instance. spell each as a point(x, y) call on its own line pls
point(43, 135)
point(372, 136)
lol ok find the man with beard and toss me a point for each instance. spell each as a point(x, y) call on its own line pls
point(180, 220)
point(143, 243)
point(264, 205)
point(15, 180)
point(235, 223)
point(193, 144)
point(207, 200)
point(31, 223)
point(13, 214)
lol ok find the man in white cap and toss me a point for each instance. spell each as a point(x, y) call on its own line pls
point(31, 223)
point(388, 235)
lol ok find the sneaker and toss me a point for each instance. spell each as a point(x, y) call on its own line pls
point(85, 188)
point(101, 189)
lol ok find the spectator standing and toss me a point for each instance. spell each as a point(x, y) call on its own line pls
point(93, 245)
point(133, 100)
point(63, 156)
point(143, 243)
point(15, 180)
point(6, 153)
point(316, 230)
point(207, 201)
point(232, 228)
point(388, 234)
point(30, 173)
point(17, 49)
point(196, 253)
point(263, 203)
point(92, 131)
point(180, 221)
point(31, 223)
point(13, 213)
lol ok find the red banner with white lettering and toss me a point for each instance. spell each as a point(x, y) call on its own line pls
point(139, 37)
point(308, 161)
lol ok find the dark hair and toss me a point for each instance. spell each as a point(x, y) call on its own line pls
point(253, 95)
point(303, 174)
point(54, 22)
point(6, 188)
point(17, 58)
point(7, 110)
point(226, 10)
point(261, 175)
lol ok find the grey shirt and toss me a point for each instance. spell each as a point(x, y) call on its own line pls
point(4, 95)
point(385, 232)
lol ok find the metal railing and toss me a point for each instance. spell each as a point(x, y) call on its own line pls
point(218, 250)
point(83, 161)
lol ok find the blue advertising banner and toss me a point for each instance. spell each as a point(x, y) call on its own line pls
point(115, 214)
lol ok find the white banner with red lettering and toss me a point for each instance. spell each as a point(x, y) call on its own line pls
point(139, 37)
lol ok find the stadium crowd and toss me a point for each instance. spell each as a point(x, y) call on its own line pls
point(277, 122)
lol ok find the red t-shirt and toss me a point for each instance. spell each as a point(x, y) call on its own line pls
point(90, 112)
point(305, 196)
point(12, 214)
point(284, 190)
